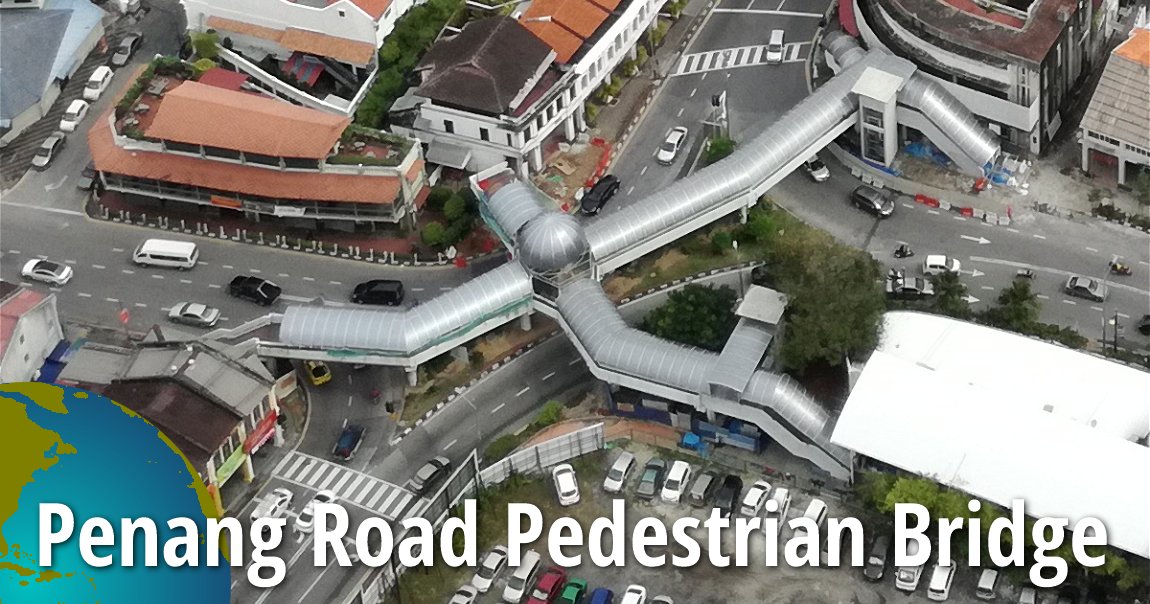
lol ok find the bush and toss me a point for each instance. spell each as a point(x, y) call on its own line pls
point(592, 111)
point(476, 359)
point(206, 45)
point(502, 446)
point(722, 242)
point(433, 234)
point(551, 413)
point(455, 208)
point(201, 66)
point(456, 232)
point(719, 148)
point(437, 198)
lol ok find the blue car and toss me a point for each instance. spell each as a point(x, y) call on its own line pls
point(602, 595)
point(348, 443)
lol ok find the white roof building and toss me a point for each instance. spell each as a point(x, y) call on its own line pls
point(1002, 417)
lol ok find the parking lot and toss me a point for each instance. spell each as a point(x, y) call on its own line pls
point(704, 583)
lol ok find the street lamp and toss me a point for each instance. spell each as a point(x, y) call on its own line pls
point(738, 263)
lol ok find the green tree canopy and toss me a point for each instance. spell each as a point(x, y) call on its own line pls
point(1017, 308)
point(695, 315)
point(950, 296)
point(719, 148)
point(455, 208)
point(433, 233)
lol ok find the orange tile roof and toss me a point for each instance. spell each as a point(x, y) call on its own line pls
point(237, 178)
point(200, 114)
point(293, 38)
point(1136, 48)
point(607, 5)
point(580, 17)
point(375, 8)
point(414, 170)
point(564, 43)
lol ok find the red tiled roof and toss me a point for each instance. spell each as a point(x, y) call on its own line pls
point(237, 178)
point(199, 114)
point(607, 5)
point(375, 8)
point(223, 78)
point(564, 43)
point(292, 38)
point(1136, 48)
point(580, 17)
point(11, 309)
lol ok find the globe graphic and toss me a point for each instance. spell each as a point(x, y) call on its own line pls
point(67, 446)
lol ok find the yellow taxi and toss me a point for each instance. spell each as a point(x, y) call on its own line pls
point(317, 372)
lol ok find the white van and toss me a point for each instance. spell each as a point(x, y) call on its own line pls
point(775, 47)
point(940, 580)
point(907, 577)
point(523, 577)
point(163, 252)
point(782, 498)
point(98, 83)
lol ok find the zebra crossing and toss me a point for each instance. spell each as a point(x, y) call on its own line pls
point(730, 58)
point(352, 487)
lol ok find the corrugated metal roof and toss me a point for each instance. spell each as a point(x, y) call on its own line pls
point(514, 204)
point(1120, 107)
point(552, 242)
point(741, 354)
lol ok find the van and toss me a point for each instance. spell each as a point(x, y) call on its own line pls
point(617, 475)
point(97, 83)
point(386, 292)
point(940, 580)
point(522, 578)
point(782, 499)
point(163, 252)
point(775, 47)
point(987, 585)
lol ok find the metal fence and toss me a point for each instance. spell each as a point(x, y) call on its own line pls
point(537, 458)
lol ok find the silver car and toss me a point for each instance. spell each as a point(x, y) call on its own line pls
point(1086, 287)
point(194, 314)
point(46, 271)
point(49, 149)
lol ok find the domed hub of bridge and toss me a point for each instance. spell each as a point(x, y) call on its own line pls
point(552, 243)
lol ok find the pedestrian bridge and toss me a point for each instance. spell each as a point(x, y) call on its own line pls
point(558, 262)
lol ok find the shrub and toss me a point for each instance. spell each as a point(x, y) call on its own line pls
point(206, 45)
point(592, 112)
point(476, 359)
point(502, 447)
point(719, 148)
point(455, 208)
point(722, 242)
point(437, 198)
point(456, 232)
point(433, 234)
point(551, 413)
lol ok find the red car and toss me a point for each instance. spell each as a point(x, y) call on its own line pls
point(548, 586)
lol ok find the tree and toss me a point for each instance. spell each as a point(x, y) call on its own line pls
point(455, 208)
point(912, 490)
point(1142, 187)
point(551, 413)
point(437, 198)
point(206, 45)
point(950, 296)
point(719, 148)
point(433, 234)
point(722, 242)
point(695, 315)
point(1017, 308)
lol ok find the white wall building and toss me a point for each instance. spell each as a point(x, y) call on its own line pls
point(586, 50)
point(29, 331)
point(1117, 121)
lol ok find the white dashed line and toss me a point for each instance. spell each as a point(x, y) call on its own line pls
point(445, 289)
point(498, 407)
point(1013, 230)
point(254, 271)
point(988, 288)
point(187, 281)
point(450, 444)
point(127, 271)
point(334, 283)
point(907, 205)
point(1036, 236)
point(1090, 249)
point(631, 189)
point(113, 300)
point(157, 276)
point(548, 376)
point(83, 295)
point(1070, 302)
point(214, 286)
point(203, 263)
point(282, 275)
point(1097, 308)
point(140, 305)
point(69, 261)
point(309, 279)
point(1123, 315)
point(228, 266)
point(643, 171)
point(17, 252)
point(417, 289)
point(693, 91)
point(117, 249)
point(575, 362)
point(522, 392)
point(960, 218)
point(1043, 297)
point(680, 113)
point(99, 266)
point(932, 212)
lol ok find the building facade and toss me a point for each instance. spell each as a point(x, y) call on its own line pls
point(1014, 63)
point(1116, 126)
point(589, 40)
point(190, 144)
point(29, 331)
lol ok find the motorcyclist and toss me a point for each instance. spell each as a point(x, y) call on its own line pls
point(903, 251)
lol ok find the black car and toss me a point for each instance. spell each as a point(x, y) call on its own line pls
point(876, 562)
point(378, 291)
point(348, 442)
point(129, 44)
point(427, 476)
point(1143, 325)
point(728, 496)
point(872, 201)
point(599, 194)
point(651, 480)
point(260, 291)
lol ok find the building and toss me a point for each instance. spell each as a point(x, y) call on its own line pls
point(1014, 63)
point(29, 332)
point(1002, 416)
point(318, 53)
point(1116, 126)
point(213, 145)
point(42, 44)
point(492, 94)
point(217, 403)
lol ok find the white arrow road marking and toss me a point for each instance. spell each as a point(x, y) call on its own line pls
point(1053, 271)
point(971, 299)
point(55, 185)
point(973, 273)
point(978, 240)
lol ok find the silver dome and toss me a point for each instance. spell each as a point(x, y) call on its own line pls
point(551, 243)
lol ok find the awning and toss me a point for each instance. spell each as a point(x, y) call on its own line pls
point(449, 155)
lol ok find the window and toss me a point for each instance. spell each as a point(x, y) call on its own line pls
point(873, 144)
point(484, 134)
point(872, 117)
point(342, 13)
point(510, 143)
point(449, 126)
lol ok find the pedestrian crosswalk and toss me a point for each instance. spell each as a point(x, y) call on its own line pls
point(730, 58)
point(352, 487)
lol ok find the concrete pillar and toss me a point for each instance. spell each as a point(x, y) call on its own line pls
point(248, 470)
point(1121, 169)
point(569, 128)
point(537, 158)
point(743, 215)
point(525, 322)
point(412, 376)
point(633, 53)
point(524, 173)
point(1085, 154)
point(580, 118)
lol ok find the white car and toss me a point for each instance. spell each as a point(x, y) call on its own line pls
point(940, 579)
point(662, 600)
point(305, 522)
point(194, 314)
point(566, 485)
point(669, 150)
point(1028, 596)
point(756, 496)
point(490, 568)
point(677, 480)
point(937, 263)
point(464, 595)
point(46, 271)
point(74, 115)
point(817, 169)
point(617, 475)
point(273, 505)
point(635, 594)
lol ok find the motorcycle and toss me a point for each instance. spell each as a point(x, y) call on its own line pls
point(1117, 268)
point(903, 251)
point(375, 396)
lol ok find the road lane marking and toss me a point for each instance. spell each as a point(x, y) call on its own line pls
point(932, 212)
point(643, 171)
point(99, 266)
point(309, 279)
point(522, 392)
point(445, 289)
point(127, 271)
point(140, 305)
point(548, 376)
point(117, 249)
point(959, 218)
point(1036, 236)
point(282, 275)
point(335, 283)
point(1043, 297)
point(1123, 315)
point(497, 408)
point(1097, 308)
point(781, 13)
point(203, 263)
point(1053, 271)
point(214, 286)
point(693, 91)
point(1070, 302)
point(450, 444)
point(254, 271)
point(84, 295)
point(680, 113)
point(157, 276)
point(907, 205)
point(112, 300)
point(66, 261)
point(228, 266)
point(630, 189)
point(417, 289)
point(575, 362)
point(186, 281)
point(1013, 230)
point(1090, 249)
point(987, 287)
point(14, 252)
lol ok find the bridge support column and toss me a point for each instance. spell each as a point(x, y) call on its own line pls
point(743, 215)
point(581, 118)
point(536, 158)
point(569, 128)
point(412, 376)
point(525, 322)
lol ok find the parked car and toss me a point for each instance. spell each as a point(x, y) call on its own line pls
point(875, 566)
point(662, 600)
point(260, 291)
point(46, 271)
point(677, 480)
point(348, 442)
point(936, 264)
point(652, 479)
point(490, 568)
point(87, 178)
point(873, 201)
point(97, 83)
point(816, 169)
point(599, 195)
point(548, 586)
point(755, 498)
point(466, 594)
point(385, 292)
point(432, 472)
point(304, 523)
point(1086, 287)
point(573, 592)
point(940, 580)
point(602, 595)
point(1143, 325)
point(669, 150)
point(317, 372)
point(909, 288)
point(48, 150)
point(194, 314)
point(635, 594)
point(566, 484)
point(77, 110)
point(906, 578)
point(987, 585)
point(129, 44)
point(274, 504)
point(703, 491)
point(727, 497)
point(617, 475)
point(1028, 596)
